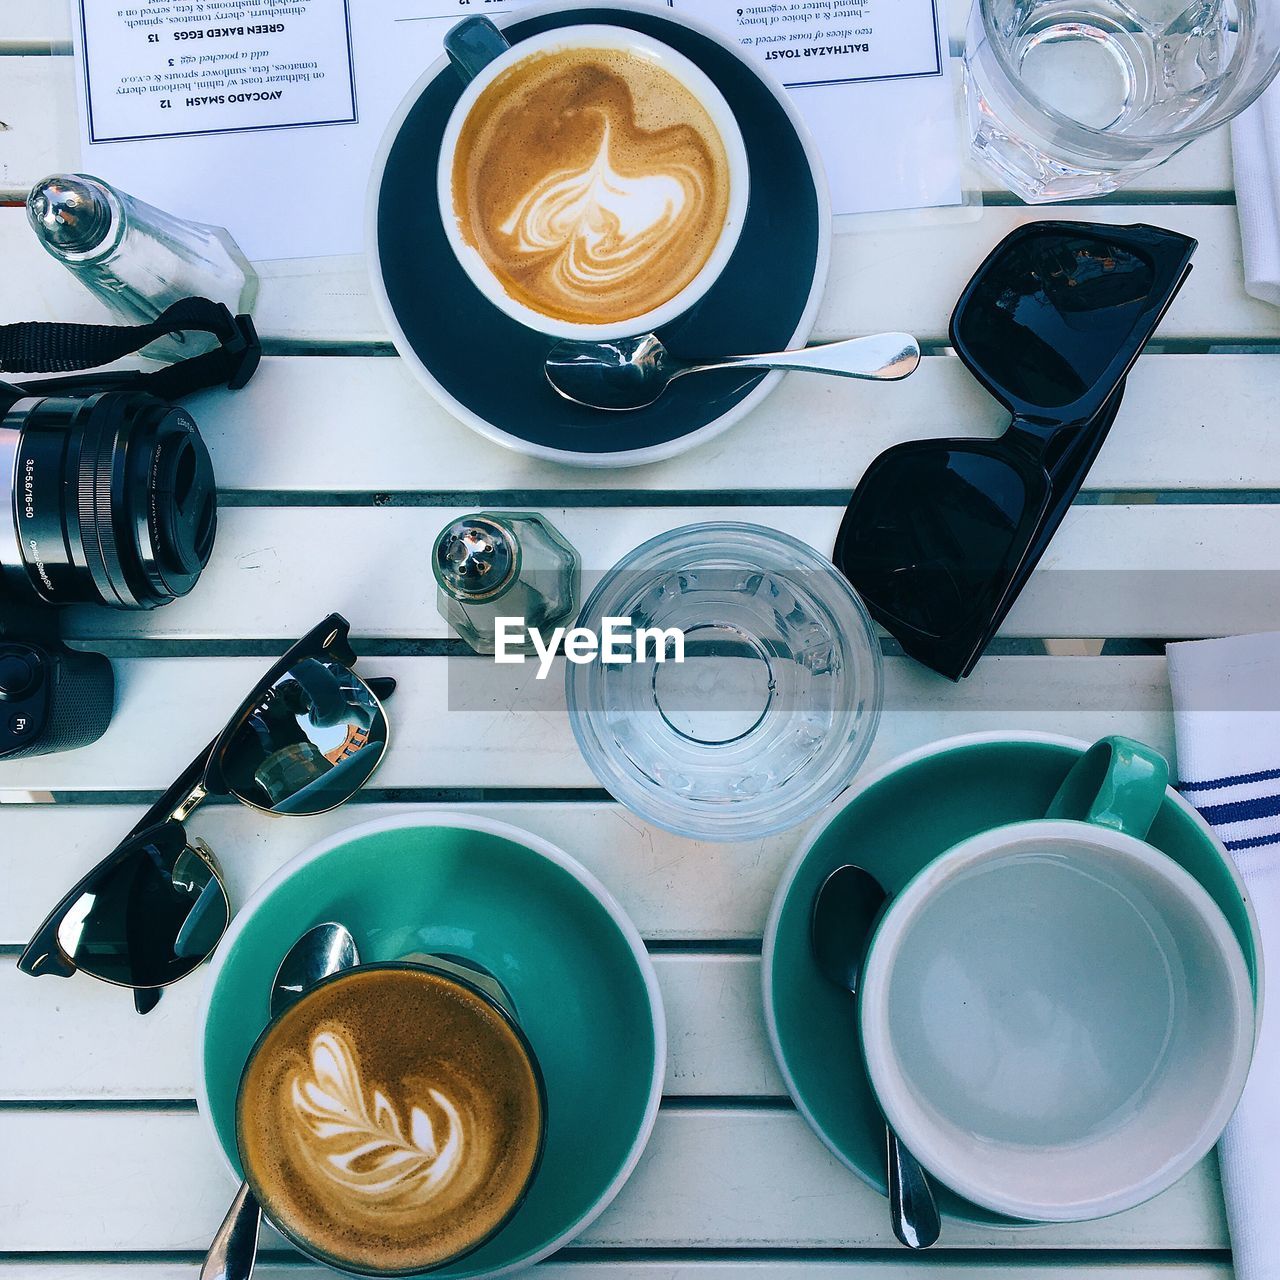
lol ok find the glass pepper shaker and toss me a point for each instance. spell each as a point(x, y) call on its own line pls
point(139, 259)
point(512, 564)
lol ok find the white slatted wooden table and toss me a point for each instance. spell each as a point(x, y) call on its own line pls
point(337, 468)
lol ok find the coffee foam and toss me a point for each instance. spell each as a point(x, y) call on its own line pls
point(390, 1120)
point(351, 1134)
point(592, 183)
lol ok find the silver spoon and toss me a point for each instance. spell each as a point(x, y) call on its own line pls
point(843, 915)
point(321, 951)
point(629, 373)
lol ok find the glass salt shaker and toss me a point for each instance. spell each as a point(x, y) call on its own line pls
point(139, 259)
point(512, 564)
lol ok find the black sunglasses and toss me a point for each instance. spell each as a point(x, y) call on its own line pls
point(304, 741)
point(941, 535)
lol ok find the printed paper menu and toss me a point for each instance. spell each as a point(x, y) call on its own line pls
point(809, 43)
point(265, 115)
point(870, 78)
point(161, 68)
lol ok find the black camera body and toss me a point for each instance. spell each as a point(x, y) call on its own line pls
point(52, 698)
point(112, 501)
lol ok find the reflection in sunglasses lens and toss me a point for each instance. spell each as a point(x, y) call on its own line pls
point(1047, 318)
point(151, 917)
point(309, 743)
point(931, 532)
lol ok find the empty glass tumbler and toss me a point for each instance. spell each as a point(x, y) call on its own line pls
point(1074, 98)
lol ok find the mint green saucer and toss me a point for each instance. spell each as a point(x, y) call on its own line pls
point(893, 823)
point(578, 974)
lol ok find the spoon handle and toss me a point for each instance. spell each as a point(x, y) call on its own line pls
point(235, 1246)
point(915, 1212)
point(885, 357)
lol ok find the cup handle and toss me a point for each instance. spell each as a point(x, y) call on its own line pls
point(1118, 783)
point(472, 44)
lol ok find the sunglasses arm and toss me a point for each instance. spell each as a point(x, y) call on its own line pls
point(382, 687)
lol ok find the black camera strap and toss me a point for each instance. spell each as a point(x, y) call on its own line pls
point(41, 347)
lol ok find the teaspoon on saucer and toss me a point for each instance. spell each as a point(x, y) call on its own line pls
point(843, 915)
point(326, 949)
point(630, 373)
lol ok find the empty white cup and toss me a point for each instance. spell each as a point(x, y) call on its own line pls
point(1057, 1020)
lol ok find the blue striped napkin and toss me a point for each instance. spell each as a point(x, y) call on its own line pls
point(1226, 716)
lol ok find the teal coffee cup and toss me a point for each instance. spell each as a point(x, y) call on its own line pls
point(1056, 1018)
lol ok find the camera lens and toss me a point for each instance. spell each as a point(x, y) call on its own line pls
point(114, 500)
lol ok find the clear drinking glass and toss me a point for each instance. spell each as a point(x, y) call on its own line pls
point(1075, 98)
point(774, 706)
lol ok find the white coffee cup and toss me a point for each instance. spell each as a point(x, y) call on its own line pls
point(482, 54)
point(1057, 1020)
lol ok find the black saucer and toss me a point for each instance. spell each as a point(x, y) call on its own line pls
point(487, 369)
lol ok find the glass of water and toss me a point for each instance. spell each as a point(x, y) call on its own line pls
point(1074, 98)
point(763, 699)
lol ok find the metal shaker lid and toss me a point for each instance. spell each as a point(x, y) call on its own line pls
point(70, 212)
point(475, 558)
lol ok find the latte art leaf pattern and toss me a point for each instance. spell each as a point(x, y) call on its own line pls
point(390, 1120)
point(359, 1141)
point(599, 223)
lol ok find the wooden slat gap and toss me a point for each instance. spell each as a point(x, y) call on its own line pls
point(322, 347)
point(773, 1104)
point(704, 947)
point(537, 498)
point(35, 48)
point(150, 1106)
point(132, 1257)
point(376, 647)
point(615, 499)
point(1125, 196)
point(977, 1259)
point(369, 796)
point(701, 1105)
point(930, 346)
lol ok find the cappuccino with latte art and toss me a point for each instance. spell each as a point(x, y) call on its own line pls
point(595, 178)
point(391, 1120)
point(592, 183)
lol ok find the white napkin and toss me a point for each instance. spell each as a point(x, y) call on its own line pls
point(1255, 153)
point(1226, 715)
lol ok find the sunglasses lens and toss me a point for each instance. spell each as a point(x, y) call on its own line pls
point(309, 743)
point(149, 918)
point(931, 532)
point(1048, 316)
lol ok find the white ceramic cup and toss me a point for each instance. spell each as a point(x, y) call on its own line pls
point(1057, 1020)
point(588, 36)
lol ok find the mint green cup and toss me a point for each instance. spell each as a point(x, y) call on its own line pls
point(517, 907)
point(895, 822)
